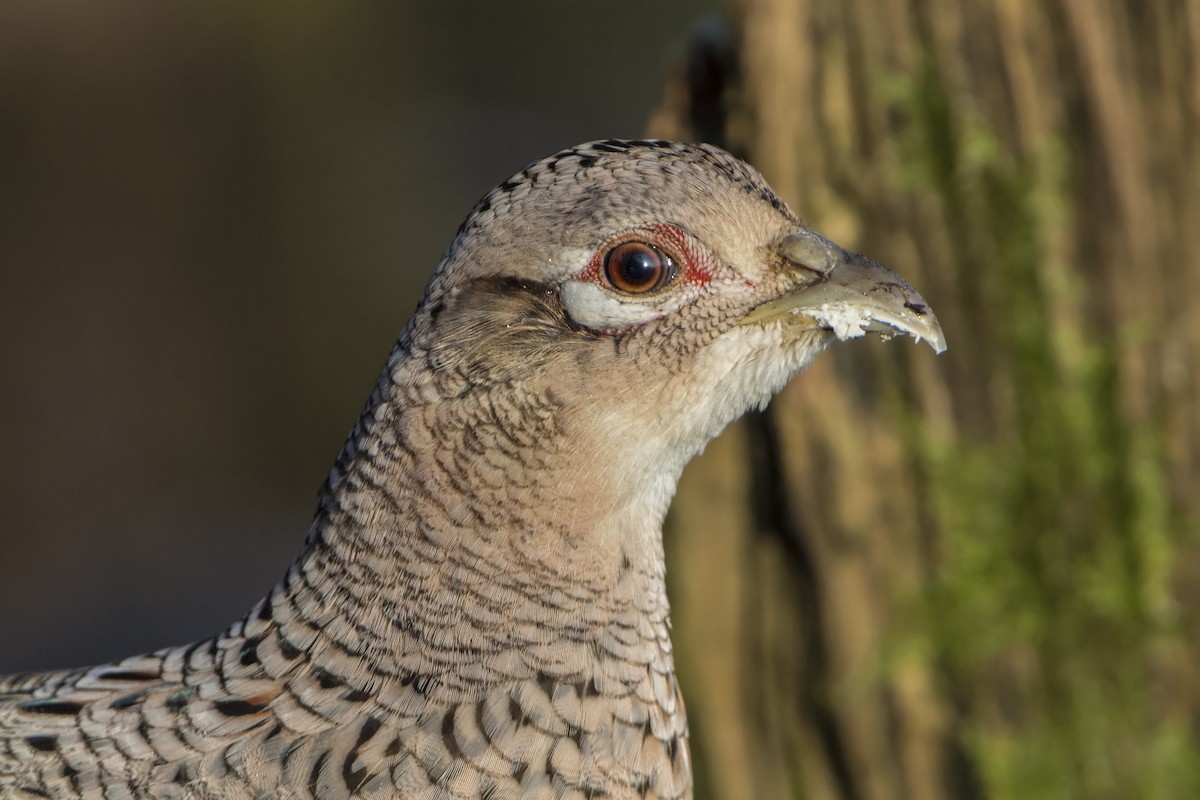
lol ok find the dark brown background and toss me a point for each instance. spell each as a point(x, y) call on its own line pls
point(215, 218)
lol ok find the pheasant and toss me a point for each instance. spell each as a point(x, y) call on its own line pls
point(479, 609)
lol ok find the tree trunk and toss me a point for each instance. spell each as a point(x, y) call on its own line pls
point(975, 575)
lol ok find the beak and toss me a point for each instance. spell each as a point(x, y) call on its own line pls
point(849, 294)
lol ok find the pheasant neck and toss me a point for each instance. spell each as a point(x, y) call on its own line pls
point(462, 544)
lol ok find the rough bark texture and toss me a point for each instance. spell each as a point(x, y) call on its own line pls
point(975, 575)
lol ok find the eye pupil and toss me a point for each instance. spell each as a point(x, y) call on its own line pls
point(640, 267)
point(637, 267)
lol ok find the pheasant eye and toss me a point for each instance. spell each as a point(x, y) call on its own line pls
point(638, 268)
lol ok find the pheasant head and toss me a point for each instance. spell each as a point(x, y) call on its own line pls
point(641, 295)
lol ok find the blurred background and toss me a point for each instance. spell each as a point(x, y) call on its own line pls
point(216, 218)
point(912, 577)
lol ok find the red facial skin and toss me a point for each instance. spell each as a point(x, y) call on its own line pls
point(692, 263)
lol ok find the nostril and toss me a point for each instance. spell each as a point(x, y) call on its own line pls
point(820, 268)
point(810, 251)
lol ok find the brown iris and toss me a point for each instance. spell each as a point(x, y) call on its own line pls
point(638, 267)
